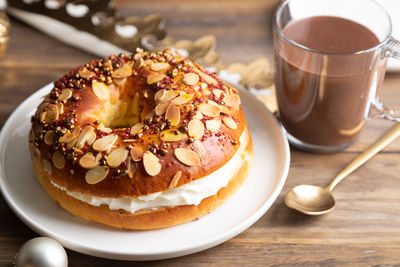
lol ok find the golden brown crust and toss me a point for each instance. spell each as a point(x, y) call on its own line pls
point(150, 219)
point(74, 116)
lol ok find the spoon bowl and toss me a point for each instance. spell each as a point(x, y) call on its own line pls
point(310, 200)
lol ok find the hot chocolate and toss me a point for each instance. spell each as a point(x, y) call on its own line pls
point(322, 93)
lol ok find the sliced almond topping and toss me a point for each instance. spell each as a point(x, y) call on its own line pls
point(49, 137)
point(232, 100)
point(175, 179)
point(196, 129)
point(89, 161)
point(173, 114)
point(197, 115)
point(60, 108)
point(122, 72)
point(172, 135)
point(58, 159)
point(182, 99)
point(151, 163)
point(213, 125)
point(199, 148)
point(130, 167)
point(207, 78)
point(159, 95)
point(105, 142)
point(228, 121)
point(96, 175)
point(155, 77)
point(166, 96)
point(101, 90)
point(51, 113)
point(136, 128)
point(65, 94)
point(187, 157)
point(119, 81)
point(161, 108)
point(105, 129)
point(218, 93)
point(136, 153)
point(47, 166)
point(72, 143)
point(42, 117)
point(117, 156)
point(67, 137)
point(191, 78)
point(129, 140)
point(226, 110)
point(87, 136)
point(85, 73)
point(159, 66)
point(209, 110)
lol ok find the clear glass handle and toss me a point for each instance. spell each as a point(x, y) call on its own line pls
point(392, 50)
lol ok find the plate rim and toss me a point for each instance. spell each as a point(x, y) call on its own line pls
point(164, 254)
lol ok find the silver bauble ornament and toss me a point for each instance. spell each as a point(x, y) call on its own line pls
point(42, 252)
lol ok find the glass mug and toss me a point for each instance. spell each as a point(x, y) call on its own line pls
point(325, 98)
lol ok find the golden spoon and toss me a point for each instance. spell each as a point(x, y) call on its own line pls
point(315, 200)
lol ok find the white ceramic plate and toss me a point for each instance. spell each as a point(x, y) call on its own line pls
point(33, 206)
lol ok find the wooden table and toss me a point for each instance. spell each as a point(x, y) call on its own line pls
point(363, 230)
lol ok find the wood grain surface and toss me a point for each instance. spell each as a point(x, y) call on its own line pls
point(363, 230)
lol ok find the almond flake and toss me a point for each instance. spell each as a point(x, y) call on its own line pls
point(89, 161)
point(51, 113)
point(49, 137)
point(96, 175)
point(65, 94)
point(232, 100)
point(159, 95)
point(105, 129)
point(218, 93)
point(67, 137)
point(199, 148)
point(191, 78)
point(85, 73)
point(101, 90)
point(136, 153)
point(136, 128)
point(130, 167)
point(161, 108)
point(213, 125)
point(187, 157)
point(173, 114)
point(209, 110)
point(105, 142)
point(197, 115)
point(207, 78)
point(117, 156)
point(58, 160)
point(175, 179)
point(122, 72)
point(119, 81)
point(155, 77)
point(129, 140)
point(72, 143)
point(47, 166)
point(229, 122)
point(60, 108)
point(159, 66)
point(196, 129)
point(166, 96)
point(172, 135)
point(87, 136)
point(151, 163)
point(182, 99)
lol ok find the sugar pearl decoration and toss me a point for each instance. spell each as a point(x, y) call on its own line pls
point(42, 252)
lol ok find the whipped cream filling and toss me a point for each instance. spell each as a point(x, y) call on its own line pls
point(189, 194)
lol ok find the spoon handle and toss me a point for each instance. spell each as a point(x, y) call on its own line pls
point(383, 141)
